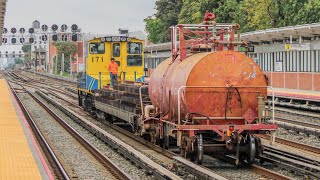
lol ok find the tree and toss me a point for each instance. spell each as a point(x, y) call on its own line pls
point(155, 28)
point(68, 49)
point(26, 48)
point(250, 14)
point(27, 53)
point(167, 15)
point(18, 60)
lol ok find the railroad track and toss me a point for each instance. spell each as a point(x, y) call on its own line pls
point(300, 123)
point(304, 166)
point(197, 170)
point(113, 169)
point(292, 144)
point(55, 163)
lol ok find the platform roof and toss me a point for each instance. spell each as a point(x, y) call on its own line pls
point(306, 30)
point(3, 7)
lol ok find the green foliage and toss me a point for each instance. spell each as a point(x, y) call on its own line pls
point(18, 60)
point(167, 15)
point(68, 49)
point(27, 53)
point(26, 48)
point(250, 14)
point(155, 28)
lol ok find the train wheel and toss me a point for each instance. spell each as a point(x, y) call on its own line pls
point(166, 139)
point(198, 154)
point(252, 150)
point(80, 101)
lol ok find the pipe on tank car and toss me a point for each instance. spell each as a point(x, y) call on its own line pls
point(183, 87)
point(148, 109)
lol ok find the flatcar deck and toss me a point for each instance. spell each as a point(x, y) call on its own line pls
point(20, 157)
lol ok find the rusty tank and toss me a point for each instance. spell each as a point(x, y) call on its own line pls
point(212, 84)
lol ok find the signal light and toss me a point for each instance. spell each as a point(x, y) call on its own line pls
point(230, 131)
point(64, 28)
point(54, 27)
point(22, 30)
point(4, 40)
point(44, 37)
point(44, 28)
point(74, 37)
point(13, 30)
point(13, 40)
point(6, 53)
point(22, 40)
point(74, 27)
point(231, 128)
point(31, 30)
point(5, 31)
point(64, 37)
point(31, 40)
point(55, 37)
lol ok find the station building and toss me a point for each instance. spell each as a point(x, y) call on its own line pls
point(289, 56)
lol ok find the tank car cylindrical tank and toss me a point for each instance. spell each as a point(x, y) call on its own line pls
point(211, 69)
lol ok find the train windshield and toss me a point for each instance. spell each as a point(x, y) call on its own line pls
point(116, 50)
point(134, 48)
point(97, 48)
point(134, 60)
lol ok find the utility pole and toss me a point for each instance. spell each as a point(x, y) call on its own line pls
point(77, 63)
point(62, 64)
point(56, 65)
point(70, 65)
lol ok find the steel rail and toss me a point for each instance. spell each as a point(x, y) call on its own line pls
point(292, 144)
point(108, 164)
point(169, 154)
point(300, 123)
point(50, 154)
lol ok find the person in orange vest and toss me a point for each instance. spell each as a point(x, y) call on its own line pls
point(113, 68)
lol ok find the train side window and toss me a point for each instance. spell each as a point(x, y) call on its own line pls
point(116, 50)
point(134, 60)
point(97, 48)
point(134, 48)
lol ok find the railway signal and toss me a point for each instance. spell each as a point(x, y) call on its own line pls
point(64, 28)
point(22, 30)
point(31, 40)
point(54, 27)
point(74, 37)
point(22, 40)
point(31, 30)
point(5, 31)
point(13, 40)
point(44, 28)
point(13, 30)
point(55, 37)
point(44, 37)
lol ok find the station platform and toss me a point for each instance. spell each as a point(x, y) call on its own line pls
point(20, 156)
point(296, 94)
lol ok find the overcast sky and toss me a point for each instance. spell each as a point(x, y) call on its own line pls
point(97, 16)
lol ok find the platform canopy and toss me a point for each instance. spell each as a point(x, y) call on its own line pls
point(3, 7)
point(289, 32)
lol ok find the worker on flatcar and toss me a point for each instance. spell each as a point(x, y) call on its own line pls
point(113, 68)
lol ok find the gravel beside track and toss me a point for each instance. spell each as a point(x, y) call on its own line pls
point(301, 138)
point(222, 168)
point(119, 160)
point(75, 159)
